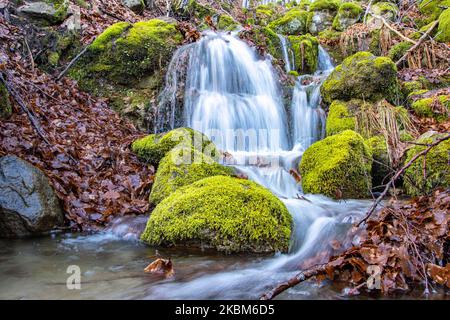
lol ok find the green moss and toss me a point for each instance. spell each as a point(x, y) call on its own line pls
point(405, 136)
point(319, 5)
point(330, 35)
point(5, 104)
point(225, 213)
point(410, 86)
point(419, 180)
point(264, 14)
point(61, 7)
point(397, 51)
point(340, 118)
point(227, 23)
point(337, 164)
point(294, 22)
point(443, 34)
point(154, 147)
point(53, 58)
point(424, 107)
point(348, 14)
point(306, 52)
point(432, 9)
point(381, 166)
point(180, 168)
point(264, 37)
point(362, 76)
point(124, 53)
point(192, 9)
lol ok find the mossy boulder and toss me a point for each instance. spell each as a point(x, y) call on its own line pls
point(340, 118)
point(227, 23)
point(321, 15)
point(192, 9)
point(348, 14)
point(362, 76)
point(338, 166)
point(419, 180)
point(387, 10)
point(443, 34)
point(264, 14)
point(5, 103)
point(181, 167)
point(306, 53)
point(136, 6)
point(124, 53)
point(398, 50)
point(266, 38)
point(432, 9)
point(381, 166)
point(225, 213)
point(409, 87)
point(294, 22)
point(154, 147)
point(46, 12)
point(434, 107)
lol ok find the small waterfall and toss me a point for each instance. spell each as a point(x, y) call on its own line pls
point(308, 118)
point(288, 57)
point(232, 96)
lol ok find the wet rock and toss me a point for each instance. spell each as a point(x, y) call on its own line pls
point(28, 204)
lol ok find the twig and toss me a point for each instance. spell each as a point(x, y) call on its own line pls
point(31, 54)
point(21, 103)
point(72, 62)
point(300, 277)
point(422, 39)
point(398, 174)
point(392, 28)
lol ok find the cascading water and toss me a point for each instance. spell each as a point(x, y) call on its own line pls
point(288, 57)
point(230, 89)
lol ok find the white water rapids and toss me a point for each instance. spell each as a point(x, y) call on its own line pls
point(232, 93)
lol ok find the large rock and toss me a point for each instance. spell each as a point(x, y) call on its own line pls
point(225, 213)
point(294, 22)
point(321, 15)
point(338, 166)
point(137, 6)
point(387, 10)
point(175, 172)
point(362, 76)
point(28, 204)
point(348, 14)
point(48, 12)
point(154, 147)
point(420, 180)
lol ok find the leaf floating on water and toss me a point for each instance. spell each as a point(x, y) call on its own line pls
point(161, 266)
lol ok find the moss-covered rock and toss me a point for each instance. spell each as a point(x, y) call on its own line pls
point(225, 213)
point(432, 9)
point(340, 118)
point(398, 50)
point(154, 147)
point(419, 180)
point(5, 104)
point(348, 14)
point(409, 87)
point(381, 166)
point(136, 6)
point(264, 14)
point(362, 76)
point(181, 167)
point(192, 9)
point(266, 38)
point(321, 15)
point(443, 34)
point(45, 12)
point(227, 23)
point(294, 22)
point(338, 166)
point(306, 53)
point(434, 107)
point(387, 10)
point(124, 53)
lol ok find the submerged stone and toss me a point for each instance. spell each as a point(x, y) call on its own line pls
point(225, 213)
point(338, 166)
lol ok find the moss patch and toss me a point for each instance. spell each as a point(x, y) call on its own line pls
point(443, 34)
point(5, 104)
point(294, 22)
point(227, 23)
point(362, 76)
point(397, 51)
point(225, 213)
point(432, 9)
point(435, 107)
point(419, 180)
point(340, 118)
point(154, 147)
point(306, 52)
point(339, 164)
point(381, 164)
point(174, 172)
point(348, 14)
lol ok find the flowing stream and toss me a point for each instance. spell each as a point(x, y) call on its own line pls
point(232, 95)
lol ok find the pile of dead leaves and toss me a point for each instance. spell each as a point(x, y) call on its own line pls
point(83, 148)
point(409, 243)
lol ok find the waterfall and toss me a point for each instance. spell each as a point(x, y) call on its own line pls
point(232, 96)
point(308, 119)
point(230, 89)
point(288, 57)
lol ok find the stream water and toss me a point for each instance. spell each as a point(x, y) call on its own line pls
point(232, 95)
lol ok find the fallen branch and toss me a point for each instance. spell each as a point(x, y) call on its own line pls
point(34, 122)
point(300, 277)
point(422, 39)
point(397, 175)
point(392, 28)
point(72, 62)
